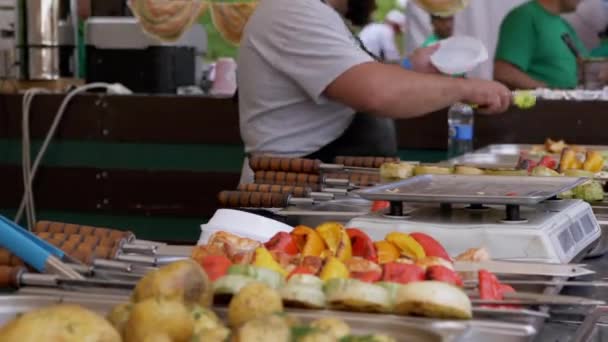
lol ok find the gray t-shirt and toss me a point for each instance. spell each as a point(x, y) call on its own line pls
point(290, 52)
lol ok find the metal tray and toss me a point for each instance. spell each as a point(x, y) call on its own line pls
point(487, 160)
point(408, 329)
point(472, 189)
point(518, 148)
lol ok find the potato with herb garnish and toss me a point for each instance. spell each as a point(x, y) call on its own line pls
point(65, 323)
point(184, 281)
point(253, 301)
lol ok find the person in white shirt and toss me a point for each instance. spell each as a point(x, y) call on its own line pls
point(379, 38)
point(308, 89)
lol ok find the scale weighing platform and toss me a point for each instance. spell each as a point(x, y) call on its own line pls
point(514, 218)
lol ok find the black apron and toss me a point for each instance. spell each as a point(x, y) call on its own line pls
point(367, 135)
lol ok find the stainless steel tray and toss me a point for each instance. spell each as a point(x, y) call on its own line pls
point(401, 328)
point(518, 148)
point(488, 160)
point(472, 189)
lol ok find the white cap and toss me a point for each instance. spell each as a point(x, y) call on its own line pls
point(396, 17)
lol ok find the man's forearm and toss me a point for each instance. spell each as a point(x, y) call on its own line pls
point(514, 78)
point(392, 91)
point(413, 94)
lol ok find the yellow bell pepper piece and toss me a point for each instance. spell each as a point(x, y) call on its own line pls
point(387, 252)
point(594, 162)
point(264, 259)
point(334, 268)
point(407, 245)
point(308, 241)
point(336, 239)
point(568, 160)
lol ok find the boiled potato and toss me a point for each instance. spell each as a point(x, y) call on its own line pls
point(207, 326)
point(333, 326)
point(119, 316)
point(60, 323)
point(184, 281)
point(272, 328)
point(212, 335)
point(157, 338)
point(253, 301)
point(159, 316)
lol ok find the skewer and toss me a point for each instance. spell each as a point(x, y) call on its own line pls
point(16, 277)
point(473, 283)
point(295, 191)
point(315, 166)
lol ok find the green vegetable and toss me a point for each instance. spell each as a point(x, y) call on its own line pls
point(367, 338)
point(299, 331)
point(543, 171)
point(591, 191)
point(267, 276)
point(524, 99)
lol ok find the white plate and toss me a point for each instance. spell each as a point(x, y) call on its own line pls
point(459, 55)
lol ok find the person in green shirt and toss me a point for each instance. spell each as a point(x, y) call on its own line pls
point(443, 27)
point(531, 53)
point(601, 51)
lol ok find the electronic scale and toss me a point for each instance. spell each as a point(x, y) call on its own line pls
point(514, 218)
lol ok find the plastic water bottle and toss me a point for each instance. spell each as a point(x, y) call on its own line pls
point(460, 130)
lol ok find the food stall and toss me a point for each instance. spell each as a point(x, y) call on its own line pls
point(136, 229)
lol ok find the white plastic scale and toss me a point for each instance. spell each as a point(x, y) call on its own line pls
point(514, 218)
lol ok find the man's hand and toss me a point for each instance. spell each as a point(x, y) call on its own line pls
point(490, 97)
point(421, 60)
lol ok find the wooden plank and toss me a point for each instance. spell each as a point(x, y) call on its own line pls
point(134, 119)
point(204, 120)
point(426, 132)
point(148, 193)
point(581, 122)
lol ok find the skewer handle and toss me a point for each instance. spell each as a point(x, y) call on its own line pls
point(9, 276)
point(73, 229)
point(286, 178)
point(299, 165)
point(240, 199)
point(359, 179)
point(296, 191)
point(374, 162)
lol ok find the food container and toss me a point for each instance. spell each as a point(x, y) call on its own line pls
point(403, 329)
point(243, 224)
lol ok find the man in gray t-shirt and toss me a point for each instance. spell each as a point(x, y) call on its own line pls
point(302, 76)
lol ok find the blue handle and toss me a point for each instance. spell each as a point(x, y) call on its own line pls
point(24, 248)
point(43, 244)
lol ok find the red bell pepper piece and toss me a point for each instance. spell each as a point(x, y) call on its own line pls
point(362, 245)
point(403, 273)
point(282, 242)
point(504, 288)
point(443, 274)
point(380, 206)
point(431, 246)
point(489, 287)
point(216, 266)
point(301, 270)
point(368, 277)
point(549, 162)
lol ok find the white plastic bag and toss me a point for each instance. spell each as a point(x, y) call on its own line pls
point(243, 224)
